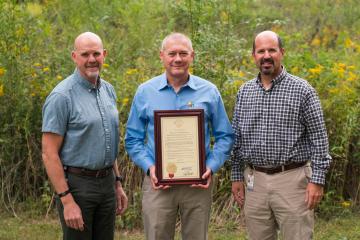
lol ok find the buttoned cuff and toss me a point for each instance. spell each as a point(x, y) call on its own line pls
point(318, 176)
point(237, 174)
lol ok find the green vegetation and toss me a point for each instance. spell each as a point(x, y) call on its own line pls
point(338, 228)
point(322, 44)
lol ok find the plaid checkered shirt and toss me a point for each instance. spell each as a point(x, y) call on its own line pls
point(278, 126)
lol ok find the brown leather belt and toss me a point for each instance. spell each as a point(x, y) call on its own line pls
point(88, 172)
point(282, 168)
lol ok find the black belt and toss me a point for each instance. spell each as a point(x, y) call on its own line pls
point(89, 172)
point(281, 168)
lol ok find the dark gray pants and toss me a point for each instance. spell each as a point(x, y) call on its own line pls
point(96, 199)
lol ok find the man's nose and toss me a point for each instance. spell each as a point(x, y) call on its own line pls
point(177, 57)
point(92, 58)
point(267, 54)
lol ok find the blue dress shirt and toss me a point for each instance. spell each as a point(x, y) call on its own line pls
point(87, 117)
point(157, 94)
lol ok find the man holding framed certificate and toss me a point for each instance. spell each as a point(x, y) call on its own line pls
point(168, 135)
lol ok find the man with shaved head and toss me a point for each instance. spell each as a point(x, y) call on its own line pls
point(176, 89)
point(280, 155)
point(80, 145)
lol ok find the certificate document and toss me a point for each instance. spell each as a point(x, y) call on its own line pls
point(179, 143)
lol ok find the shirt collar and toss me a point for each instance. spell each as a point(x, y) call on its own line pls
point(164, 83)
point(276, 80)
point(85, 83)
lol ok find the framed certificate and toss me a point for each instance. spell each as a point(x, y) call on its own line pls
point(179, 146)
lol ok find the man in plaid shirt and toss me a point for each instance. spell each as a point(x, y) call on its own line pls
point(280, 150)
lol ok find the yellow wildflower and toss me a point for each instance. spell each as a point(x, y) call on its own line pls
point(352, 77)
point(224, 17)
point(59, 77)
point(191, 70)
point(241, 74)
point(125, 101)
point(37, 64)
point(334, 90)
point(348, 43)
point(238, 83)
point(357, 47)
point(295, 70)
point(46, 69)
point(20, 32)
point(316, 42)
point(339, 69)
point(1, 90)
point(347, 90)
point(25, 49)
point(2, 71)
point(105, 65)
point(341, 65)
point(317, 70)
point(34, 9)
point(346, 204)
point(131, 71)
point(235, 73)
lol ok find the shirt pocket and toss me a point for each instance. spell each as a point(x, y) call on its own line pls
point(203, 104)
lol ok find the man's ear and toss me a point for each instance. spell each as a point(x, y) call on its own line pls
point(73, 55)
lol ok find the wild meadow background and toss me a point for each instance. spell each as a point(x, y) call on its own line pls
point(322, 42)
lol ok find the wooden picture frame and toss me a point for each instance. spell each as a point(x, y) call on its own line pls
point(179, 146)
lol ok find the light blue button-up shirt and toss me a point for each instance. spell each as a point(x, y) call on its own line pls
point(157, 94)
point(87, 117)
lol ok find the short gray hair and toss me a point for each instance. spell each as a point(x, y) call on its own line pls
point(175, 35)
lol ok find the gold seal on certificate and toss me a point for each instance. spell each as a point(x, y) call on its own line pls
point(179, 145)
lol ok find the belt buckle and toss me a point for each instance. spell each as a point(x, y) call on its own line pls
point(97, 173)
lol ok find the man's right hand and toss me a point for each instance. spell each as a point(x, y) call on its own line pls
point(72, 213)
point(238, 190)
point(154, 180)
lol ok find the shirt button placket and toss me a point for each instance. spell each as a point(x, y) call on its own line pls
point(105, 127)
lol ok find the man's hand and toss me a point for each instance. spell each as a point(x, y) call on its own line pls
point(121, 200)
point(72, 213)
point(207, 176)
point(313, 195)
point(238, 190)
point(154, 180)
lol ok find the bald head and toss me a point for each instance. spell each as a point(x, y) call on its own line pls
point(89, 55)
point(176, 37)
point(85, 38)
point(268, 35)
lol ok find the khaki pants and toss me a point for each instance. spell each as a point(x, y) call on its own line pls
point(278, 202)
point(160, 209)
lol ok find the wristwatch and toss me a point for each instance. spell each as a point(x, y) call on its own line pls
point(119, 178)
